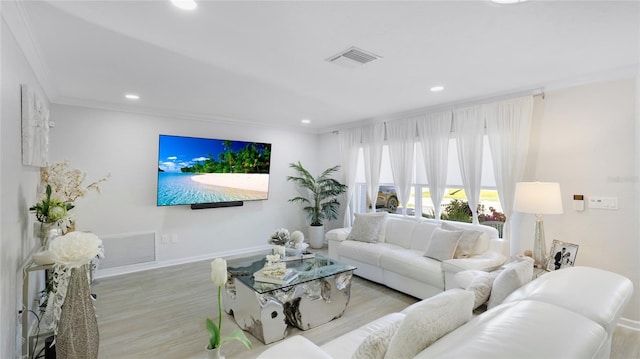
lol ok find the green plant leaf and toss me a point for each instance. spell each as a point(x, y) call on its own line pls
point(239, 336)
point(214, 333)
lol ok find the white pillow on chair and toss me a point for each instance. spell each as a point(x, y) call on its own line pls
point(442, 244)
point(367, 227)
point(510, 279)
point(428, 321)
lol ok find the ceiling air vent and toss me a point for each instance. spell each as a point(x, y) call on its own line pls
point(353, 57)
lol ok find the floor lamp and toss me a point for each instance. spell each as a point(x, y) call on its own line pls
point(538, 198)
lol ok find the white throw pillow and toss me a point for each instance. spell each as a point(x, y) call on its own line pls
point(428, 321)
point(467, 242)
point(375, 344)
point(481, 287)
point(367, 227)
point(442, 244)
point(511, 278)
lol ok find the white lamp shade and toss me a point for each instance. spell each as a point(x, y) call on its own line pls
point(538, 198)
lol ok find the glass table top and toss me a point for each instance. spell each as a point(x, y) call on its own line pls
point(307, 269)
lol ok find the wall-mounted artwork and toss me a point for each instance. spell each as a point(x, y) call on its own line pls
point(35, 128)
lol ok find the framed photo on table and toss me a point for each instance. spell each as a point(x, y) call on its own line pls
point(563, 255)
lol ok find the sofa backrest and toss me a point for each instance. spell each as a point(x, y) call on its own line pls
point(415, 233)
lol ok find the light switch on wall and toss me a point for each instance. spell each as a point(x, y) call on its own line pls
point(603, 202)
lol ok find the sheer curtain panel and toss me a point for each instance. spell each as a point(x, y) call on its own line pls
point(509, 128)
point(350, 140)
point(434, 132)
point(401, 137)
point(372, 142)
point(468, 124)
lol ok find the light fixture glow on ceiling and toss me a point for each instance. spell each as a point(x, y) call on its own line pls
point(185, 4)
point(132, 96)
point(437, 88)
point(306, 121)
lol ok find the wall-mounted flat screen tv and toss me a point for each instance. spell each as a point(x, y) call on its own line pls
point(208, 171)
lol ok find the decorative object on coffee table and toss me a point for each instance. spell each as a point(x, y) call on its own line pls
point(538, 198)
point(293, 243)
point(219, 279)
point(322, 203)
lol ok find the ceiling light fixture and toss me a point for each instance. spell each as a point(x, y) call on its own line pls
point(306, 121)
point(185, 4)
point(132, 96)
point(437, 88)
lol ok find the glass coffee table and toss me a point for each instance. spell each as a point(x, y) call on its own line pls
point(319, 294)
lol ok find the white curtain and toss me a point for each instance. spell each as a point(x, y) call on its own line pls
point(372, 142)
point(468, 124)
point(350, 140)
point(434, 132)
point(401, 137)
point(508, 128)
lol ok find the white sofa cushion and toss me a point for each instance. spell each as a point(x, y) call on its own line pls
point(295, 344)
point(365, 252)
point(477, 282)
point(344, 346)
point(429, 320)
point(367, 227)
point(523, 330)
point(511, 278)
point(398, 231)
point(412, 264)
point(467, 242)
point(442, 244)
point(375, 345)
point(595, 293)
point(421, 235)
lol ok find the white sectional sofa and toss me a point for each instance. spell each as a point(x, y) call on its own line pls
point(569, 313)
point(397, 256)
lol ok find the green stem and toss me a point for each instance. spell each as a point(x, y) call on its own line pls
point(219, 314)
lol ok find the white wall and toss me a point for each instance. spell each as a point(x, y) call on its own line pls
point(17, 192)
point(126, 146)
point(585, 139)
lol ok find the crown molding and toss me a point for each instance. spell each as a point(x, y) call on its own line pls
point(175, 115)
point(16, 18)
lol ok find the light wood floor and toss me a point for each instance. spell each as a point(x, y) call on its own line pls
point(160, 314)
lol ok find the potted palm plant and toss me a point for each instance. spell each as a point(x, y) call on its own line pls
point(322, 201)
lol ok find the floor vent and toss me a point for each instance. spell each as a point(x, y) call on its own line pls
point(353, 57)
point(127, 249)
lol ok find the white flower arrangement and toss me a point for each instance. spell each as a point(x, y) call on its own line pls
point(67, 184)
point(280, 237)
point(73, 250)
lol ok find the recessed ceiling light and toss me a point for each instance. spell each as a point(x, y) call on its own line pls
point(436, 88)
point(185, 4)
point(132, 96)
point(306, 121)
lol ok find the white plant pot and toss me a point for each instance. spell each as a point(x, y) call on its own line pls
point(316, 236)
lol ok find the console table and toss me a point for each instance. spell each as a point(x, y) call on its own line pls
point(318, 295)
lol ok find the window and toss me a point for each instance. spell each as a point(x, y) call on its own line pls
point(454, 205)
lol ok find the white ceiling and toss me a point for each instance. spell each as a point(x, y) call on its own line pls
point(264, 62)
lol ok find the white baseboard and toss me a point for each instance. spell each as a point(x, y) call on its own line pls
point(111, 272)
point(629, 324)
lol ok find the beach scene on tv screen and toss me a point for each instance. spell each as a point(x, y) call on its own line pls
point(201, 170)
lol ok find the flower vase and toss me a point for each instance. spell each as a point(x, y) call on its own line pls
point(78, 326)
point(46, 232)
point(213, 353)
